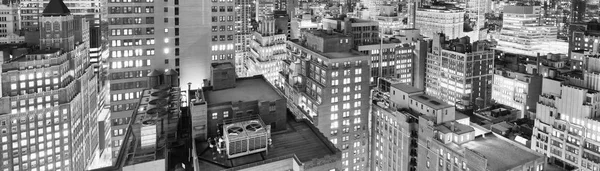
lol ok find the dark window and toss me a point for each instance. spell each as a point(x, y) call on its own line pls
point(177, 53)
point(166, 61)
point(176, 61)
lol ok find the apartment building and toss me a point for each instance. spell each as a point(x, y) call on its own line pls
point(440, 19)
point(327, 83)
point(438, 138)
point(267, 50)
point(518, 90)
point(566, 125)
point(49, 96)
point(459, 72)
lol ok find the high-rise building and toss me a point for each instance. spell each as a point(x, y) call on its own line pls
point(566, 126)
point(459, 72)
point(49, 112)
point(440, 19)
point(327, 83)
point(143, 39)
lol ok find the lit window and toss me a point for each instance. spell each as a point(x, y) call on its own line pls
point(214, 115)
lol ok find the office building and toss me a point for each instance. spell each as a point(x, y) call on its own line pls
point(327, 83)
point(440, 19)
point(438, 138)
point(145, 38)
point(49, 97)
point(566, 125)
point(523, 33)
point(459, 72)
point(267, 50)
point(518, 90)
point(242, 124)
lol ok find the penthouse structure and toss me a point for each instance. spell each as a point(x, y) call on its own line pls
point(566, 125)
point(459, 72)
point(327, 83)
point(48, 116)
point(433, 20)
point(253, 131)
point(438, 137)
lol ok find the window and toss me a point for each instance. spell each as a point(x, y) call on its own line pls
point(226, 114)
point(334, 125)
point(214, 115)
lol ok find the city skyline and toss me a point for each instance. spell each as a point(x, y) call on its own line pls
point(301, 85)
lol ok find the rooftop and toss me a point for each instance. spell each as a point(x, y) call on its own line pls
point(454, 127)
point(246, 89)
point(406, 88)
point(430, 101)
point(56, 8)
point(500, 153)
point(336, 55)
point(299, 139)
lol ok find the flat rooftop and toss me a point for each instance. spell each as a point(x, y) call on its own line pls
point(298, 139)
point(430, 101)
point(246, 89)
point(454, 127)
point(336, 55)
point(501, 154)
point(406, 88)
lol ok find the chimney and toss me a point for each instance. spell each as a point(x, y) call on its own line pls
point(452, 128)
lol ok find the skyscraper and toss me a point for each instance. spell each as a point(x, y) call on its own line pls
point(49, 99)
point(327, 83)
point(141, 40)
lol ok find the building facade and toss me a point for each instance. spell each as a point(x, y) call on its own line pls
point(49, 97)
point(327, 83)
point(434, 20)
point(518, 90)
point(566, 125)
point(460, 73)
point(522, 29)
